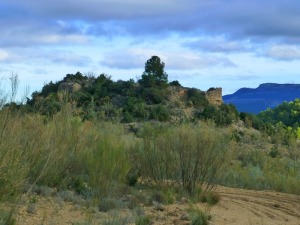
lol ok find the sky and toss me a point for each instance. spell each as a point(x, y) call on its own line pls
point(203, 43)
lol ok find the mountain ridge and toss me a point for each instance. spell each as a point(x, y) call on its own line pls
point(266, 95)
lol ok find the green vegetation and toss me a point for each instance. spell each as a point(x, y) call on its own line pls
point(150, 98)
point(263, 163)
point(223, 115)
point(189, 155)
point(143, 220)
point(287, 113)
point(154, 74)
point(103, 140)
point(210, 197)
point(198, 217)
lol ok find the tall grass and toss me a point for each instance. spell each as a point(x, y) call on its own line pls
point(73, 151)
point(93, 158)
point(52, 153)
point(261, 164)
point(61, 152)
point(13, 166)
point(107, 160)
point(188, 155)
point(259, 171)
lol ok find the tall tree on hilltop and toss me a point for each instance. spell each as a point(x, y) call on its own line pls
point(154, 73)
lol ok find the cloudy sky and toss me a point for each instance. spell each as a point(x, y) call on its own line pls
point(204, 43)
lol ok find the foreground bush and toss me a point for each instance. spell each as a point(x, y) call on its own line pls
point(188, 155)
point(259, 171)
point(61, 152)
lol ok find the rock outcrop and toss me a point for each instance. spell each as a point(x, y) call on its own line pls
point(70, 87)
point(214, 96)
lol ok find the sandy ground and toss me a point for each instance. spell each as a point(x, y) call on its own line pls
point(237, 207)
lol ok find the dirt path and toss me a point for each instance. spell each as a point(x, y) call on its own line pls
point(246, 207)
point(237, 207)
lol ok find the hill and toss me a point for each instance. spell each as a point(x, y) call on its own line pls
point(150, 98)
point(99, 97)
point(268, 95)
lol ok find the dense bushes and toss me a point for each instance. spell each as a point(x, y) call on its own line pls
point(197, 97)
point(263, 162)
point(281, 122)
point(286, 113)
point(60, 152)
point(62, 148)
point(64, 152)
point(223, 115)
point(257, 170)
point(187, 155)
point(150, 98)
point(13, 165)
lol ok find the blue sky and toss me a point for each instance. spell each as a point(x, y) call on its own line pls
point(211, 43)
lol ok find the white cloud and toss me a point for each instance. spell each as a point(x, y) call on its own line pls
point(71, 59)
point(190, 36)
point(283, 52)
point(217, 45)
point(132, 58)
point(3, 55)
point(253, 20)
point(61, 39)
point(128, 58)
point(192, 61)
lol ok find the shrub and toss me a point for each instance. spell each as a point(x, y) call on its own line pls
point(154, 95)
point(116, 220)
point(107, 163)
point(199, 217)
point(175, 83)
point(210, 197)
point(222, 115)
point(132, 177)
point(197, 98)
point(6, 218)
point(14, 165)
point(107, 204)
point(159, 112)
point(257, 170)
point(274, 152)
point(188, 155)
point(159, 197)
point(61, 152)
point(143, 220)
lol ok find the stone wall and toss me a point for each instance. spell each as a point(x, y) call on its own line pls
point(214, 96)
point(70, 87)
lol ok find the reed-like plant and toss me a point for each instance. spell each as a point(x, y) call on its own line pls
point(188, 155)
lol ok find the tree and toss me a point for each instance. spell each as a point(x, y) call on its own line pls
point(154, 73)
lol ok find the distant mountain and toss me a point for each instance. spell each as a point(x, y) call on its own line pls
point(268, 95)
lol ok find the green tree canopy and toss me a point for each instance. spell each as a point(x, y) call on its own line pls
point(154, 73)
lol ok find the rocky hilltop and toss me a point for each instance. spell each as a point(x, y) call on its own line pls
point(268, 95)
point(213, 95)
point(130, 101)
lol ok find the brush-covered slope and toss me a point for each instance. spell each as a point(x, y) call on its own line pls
point(129, 101)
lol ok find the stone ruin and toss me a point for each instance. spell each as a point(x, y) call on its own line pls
point(70, 87)
point(214, 96)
